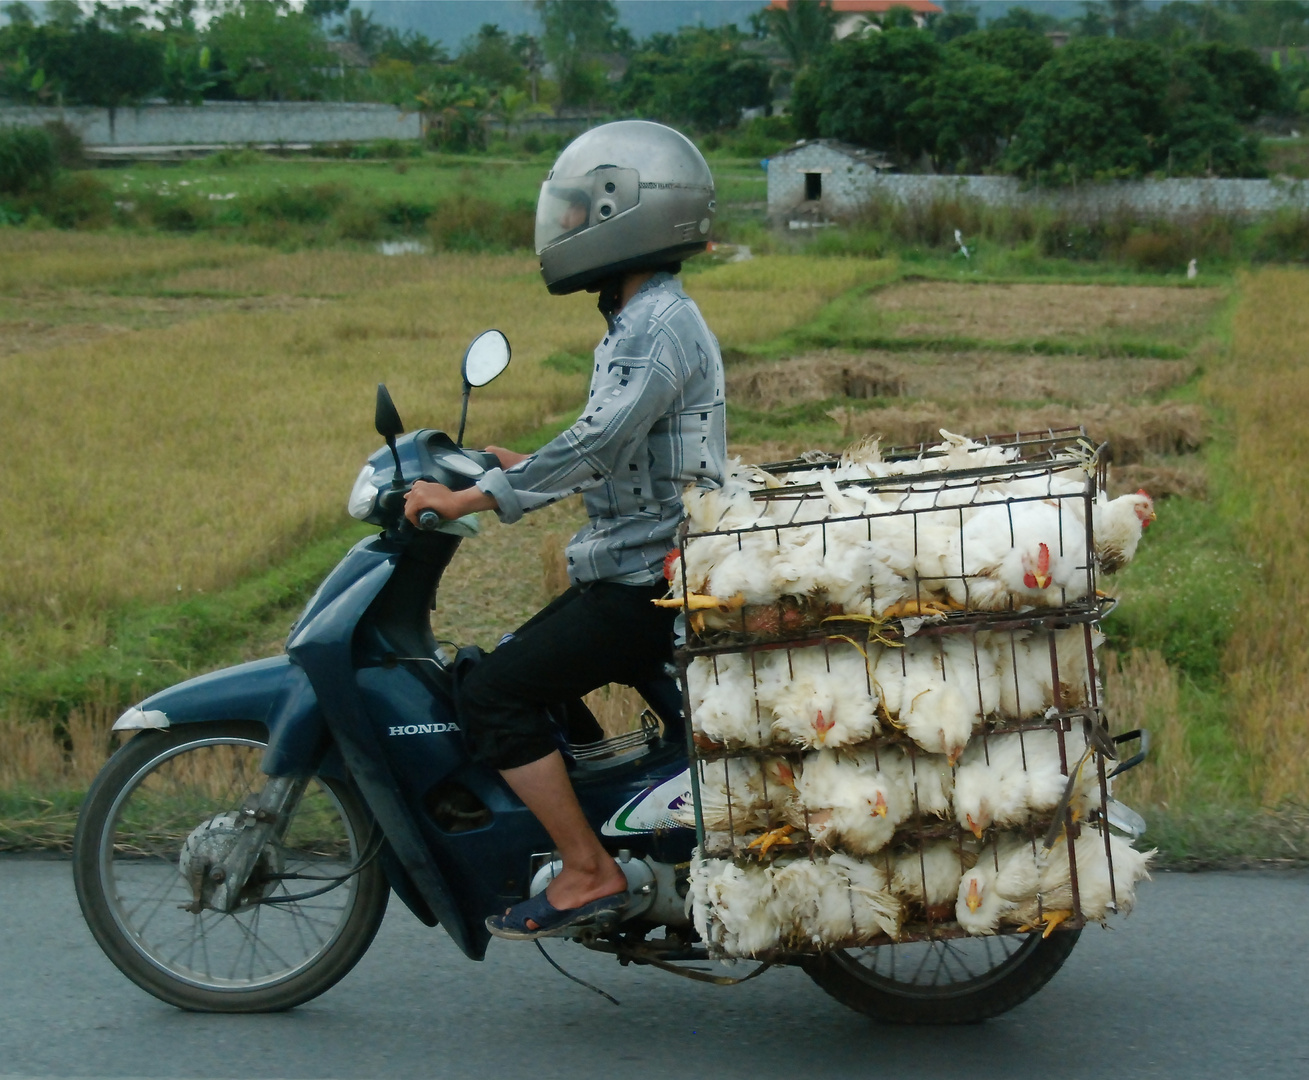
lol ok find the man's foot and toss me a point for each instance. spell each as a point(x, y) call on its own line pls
point(537, 917)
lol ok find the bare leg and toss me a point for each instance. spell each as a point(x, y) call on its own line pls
point(589, 871)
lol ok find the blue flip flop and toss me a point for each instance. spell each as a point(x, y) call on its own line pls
point(550, 920)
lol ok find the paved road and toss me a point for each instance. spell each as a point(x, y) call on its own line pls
point(1208, 978)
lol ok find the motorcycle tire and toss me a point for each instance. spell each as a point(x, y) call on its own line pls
point(998, 974)
point(155, 802)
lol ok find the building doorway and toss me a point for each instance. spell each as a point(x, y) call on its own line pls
point(813, 186)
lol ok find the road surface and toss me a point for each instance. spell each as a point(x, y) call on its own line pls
point(1209, 977)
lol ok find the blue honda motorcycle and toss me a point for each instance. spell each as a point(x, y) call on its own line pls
point(237, 854)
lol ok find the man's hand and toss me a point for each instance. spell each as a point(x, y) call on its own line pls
point(448, 504)
point(507, 458)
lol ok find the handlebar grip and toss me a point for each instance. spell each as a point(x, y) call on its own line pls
point(429, 520)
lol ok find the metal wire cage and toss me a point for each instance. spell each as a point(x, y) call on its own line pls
point(857, 772)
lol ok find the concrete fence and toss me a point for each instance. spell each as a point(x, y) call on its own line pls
point(224, 123)
point(827, 178)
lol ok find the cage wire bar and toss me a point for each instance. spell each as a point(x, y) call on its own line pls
point(1058, 467)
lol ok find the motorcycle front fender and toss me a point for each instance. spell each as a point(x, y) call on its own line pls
point(273, 692)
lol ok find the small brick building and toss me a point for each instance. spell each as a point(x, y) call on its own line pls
point(822, 177)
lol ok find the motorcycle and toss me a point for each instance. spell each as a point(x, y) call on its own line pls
point(237, 854)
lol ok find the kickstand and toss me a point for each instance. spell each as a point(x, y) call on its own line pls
point(580, 982)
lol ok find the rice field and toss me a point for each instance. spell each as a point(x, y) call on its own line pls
point(190, 414)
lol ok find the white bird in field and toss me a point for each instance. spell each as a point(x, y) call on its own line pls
point(1098, 884)
point(846, 801)
point(929, 877)
point(818, 696)
point(1192, 270)
point(735, 907)
point(1018, 555)
point(722, 693)
point(937, 690)
point(1027, 675)
point(1117, 525)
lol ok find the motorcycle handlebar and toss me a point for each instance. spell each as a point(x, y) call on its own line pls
point(429, 521)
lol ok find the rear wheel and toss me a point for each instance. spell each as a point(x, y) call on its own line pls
point(959, 981)
point(165, 799)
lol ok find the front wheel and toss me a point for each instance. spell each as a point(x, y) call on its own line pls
point(168, 795)
point(958, 981)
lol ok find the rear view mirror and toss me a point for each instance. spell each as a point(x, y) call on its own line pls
point(386, 418)
point(486, 357)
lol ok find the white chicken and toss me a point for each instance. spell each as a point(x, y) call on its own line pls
point(1006, 778)
point(930, 780)
point(742, 795)
point(818, 696)
point(735, 908)
point(836, 900)
point(1027, 679)
point(1005, 875)
point(1018, 555)
point(938, 690)
point(722, 693)
point(846, 801)
point(1117, 525)
point(1101, 889)
point(929, 877)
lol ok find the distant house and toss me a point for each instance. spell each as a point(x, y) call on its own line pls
point(822, 178)
point(855, 16)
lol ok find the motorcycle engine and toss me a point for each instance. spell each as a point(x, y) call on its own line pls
point(652, 885)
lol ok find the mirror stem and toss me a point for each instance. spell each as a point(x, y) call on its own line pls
point(397, 481)
point(463, 416)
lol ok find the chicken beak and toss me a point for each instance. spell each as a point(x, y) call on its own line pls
point(879, 807)
point(974, 898)
point(976, 830)
point(952, 758)
point(1042, 580)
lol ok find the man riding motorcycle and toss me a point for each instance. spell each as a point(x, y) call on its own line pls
point(623, 205)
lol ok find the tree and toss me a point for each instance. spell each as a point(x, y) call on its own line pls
point(572, 32)
point(359, 29)
point(1023, 52)
point(1246, 86)
point(273, 53)
point(1017, 18)
point(493, 58)
point(803, 29)
point(971, 108)
point(92, 66)
point(18, 13)
point(698, 78)
point(957, 20)
point(861, 91)
point(1095, 111)
point(412, 47)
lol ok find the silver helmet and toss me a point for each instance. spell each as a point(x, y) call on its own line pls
point(621, 197)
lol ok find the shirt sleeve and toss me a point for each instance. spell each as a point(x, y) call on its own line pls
point(636, 387)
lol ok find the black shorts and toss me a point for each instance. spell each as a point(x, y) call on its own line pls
point(592, 635)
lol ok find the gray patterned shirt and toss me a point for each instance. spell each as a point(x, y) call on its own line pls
point(654, 423)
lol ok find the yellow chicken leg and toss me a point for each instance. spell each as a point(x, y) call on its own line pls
point(772, 838)
point(1053, 919)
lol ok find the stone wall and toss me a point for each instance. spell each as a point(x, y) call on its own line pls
point(847, 184)
point(227, 123)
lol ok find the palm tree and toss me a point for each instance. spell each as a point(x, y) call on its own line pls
point(803, 28)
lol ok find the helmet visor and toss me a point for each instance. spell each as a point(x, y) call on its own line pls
point(568, 205)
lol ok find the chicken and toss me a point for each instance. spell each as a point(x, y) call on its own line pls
point(847, 801)
point(735, 908)
point(930, 781)
point(928, 877)
point(1005, 875)
point(1027, 678)
point(836, 900)
point(742, 795)
point(1016, 555)
point(1051, 903)
point(818, 696)
point(1006, 778)
point(938, 690)
point(1117, 525)
point(722, 693)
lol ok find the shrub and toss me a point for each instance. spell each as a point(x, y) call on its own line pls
point(176, 212)
point(470, 223)
point(358, 221)
point(78, 201)
point(27, 160)
point(69, 150)
point(1285, 238)
point(1157, 248)
point(305, 205)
